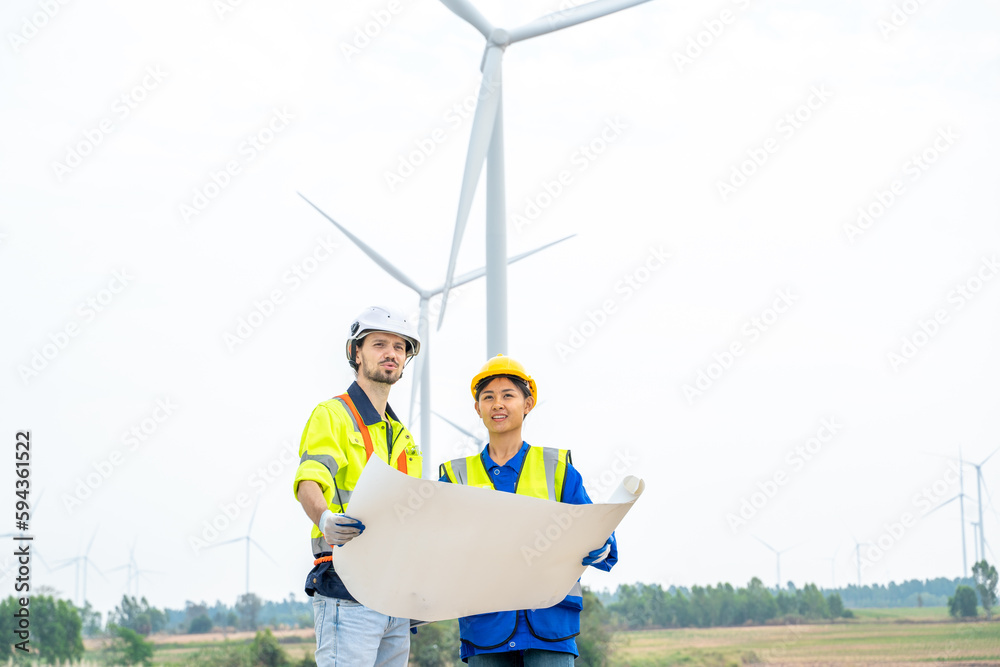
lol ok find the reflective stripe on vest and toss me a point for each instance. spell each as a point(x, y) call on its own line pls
point(542, 473)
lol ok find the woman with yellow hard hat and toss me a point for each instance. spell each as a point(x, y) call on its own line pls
point(505, 394)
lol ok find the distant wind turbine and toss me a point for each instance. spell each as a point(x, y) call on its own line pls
point(82, 563)
point(422, 362)
point(979, 489)
point(961, 513)
point(777, 554)
point(857, 555)
point(249, 540)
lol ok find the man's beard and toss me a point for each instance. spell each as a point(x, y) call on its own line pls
point(383, 376)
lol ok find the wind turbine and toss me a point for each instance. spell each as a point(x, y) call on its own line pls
point(979, 488)
point(422, 370)
point(778, 554)
point(82, 562)
point(857, 555)
point(961, 508)
point(248, 540)
point(132, 568)
point(486, 145)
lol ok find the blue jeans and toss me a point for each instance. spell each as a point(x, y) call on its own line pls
point(349, 634)
point(533, 657)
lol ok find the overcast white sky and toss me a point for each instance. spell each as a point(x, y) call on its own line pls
point(127, 297)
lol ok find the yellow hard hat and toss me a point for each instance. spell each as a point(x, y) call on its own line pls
point(501, 365)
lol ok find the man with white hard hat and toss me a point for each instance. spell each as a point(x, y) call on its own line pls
point(339, 438)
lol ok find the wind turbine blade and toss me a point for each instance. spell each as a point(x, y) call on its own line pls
point(253, 515)
point(990, 456)
point(797, 544)
point(90, 544)
point(98, 571)
point(456, 426)
point(942, 505)
point(235, 539)
point(368, 250)
point(479, 143)
point(570, 17)
point(66, 563)
point(766, 544)
point(989, 499)
point(480, 272)
point(465, 11)
point(42, 558)
point(256, 544)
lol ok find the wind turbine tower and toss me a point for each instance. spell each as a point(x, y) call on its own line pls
point(979, 492)
point(486, 145)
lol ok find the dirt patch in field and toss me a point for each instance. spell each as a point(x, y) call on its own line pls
point(301, 633)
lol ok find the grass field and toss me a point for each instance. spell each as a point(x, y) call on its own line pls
point(876, 637)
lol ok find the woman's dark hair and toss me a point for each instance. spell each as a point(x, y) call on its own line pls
point(518, 382)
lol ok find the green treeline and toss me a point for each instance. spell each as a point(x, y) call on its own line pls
point(649, 606)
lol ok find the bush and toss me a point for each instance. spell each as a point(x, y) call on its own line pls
point(265, 651)
point(594, 640)
point(127, 648)
point(435, 645)
point(200, 624)
point(963, 603)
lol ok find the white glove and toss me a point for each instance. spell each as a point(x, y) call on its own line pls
point(598, 555)
point(339, 529)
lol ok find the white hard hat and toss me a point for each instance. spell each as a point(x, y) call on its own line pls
point(380, 318)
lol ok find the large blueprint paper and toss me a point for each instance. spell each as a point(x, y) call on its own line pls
point(434, 551)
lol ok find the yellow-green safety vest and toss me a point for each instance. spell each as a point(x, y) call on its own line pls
point(334, 450)
point(542, 473)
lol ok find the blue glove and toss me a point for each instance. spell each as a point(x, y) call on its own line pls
point(599, 554)
point(339, 529)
